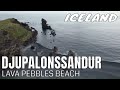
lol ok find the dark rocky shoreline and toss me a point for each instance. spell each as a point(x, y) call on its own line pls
point(110, 70)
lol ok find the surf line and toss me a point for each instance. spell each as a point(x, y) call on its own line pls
point(51, 62)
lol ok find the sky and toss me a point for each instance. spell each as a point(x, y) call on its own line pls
point(60, 12)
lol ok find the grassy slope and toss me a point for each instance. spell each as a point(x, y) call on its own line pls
point(15, 30)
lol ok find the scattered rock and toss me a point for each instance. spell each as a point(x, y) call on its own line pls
point(53, 33)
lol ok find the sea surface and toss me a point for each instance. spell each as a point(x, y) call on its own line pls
point(86, 38)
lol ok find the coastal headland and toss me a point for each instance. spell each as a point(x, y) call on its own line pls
point(14, 35)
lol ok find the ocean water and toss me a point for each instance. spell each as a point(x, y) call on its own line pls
point(88, 39)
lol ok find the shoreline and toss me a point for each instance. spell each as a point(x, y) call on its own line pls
point(40, 48)
point(109, 69)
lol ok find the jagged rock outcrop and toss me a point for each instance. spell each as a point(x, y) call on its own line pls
point(45, 26)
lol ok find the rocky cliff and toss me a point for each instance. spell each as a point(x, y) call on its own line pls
point(13, 35)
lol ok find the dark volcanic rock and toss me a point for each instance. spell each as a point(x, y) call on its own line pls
point(45, 26)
